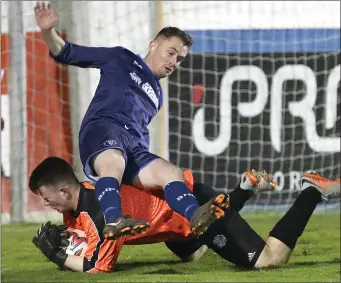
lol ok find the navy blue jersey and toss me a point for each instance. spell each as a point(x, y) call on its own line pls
point(128, 93)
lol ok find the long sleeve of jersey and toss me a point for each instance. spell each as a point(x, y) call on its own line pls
point(83, 56)
point(104, 257)
point(101, 254)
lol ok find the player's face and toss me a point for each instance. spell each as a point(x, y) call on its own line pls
point(166, 55)
point(57, 199)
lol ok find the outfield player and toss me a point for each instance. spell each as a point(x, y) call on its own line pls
point(230, 237)
point(114, 138)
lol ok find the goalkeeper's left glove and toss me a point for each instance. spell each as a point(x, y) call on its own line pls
point(48, 241)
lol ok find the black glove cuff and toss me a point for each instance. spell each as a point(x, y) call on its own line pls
point(59, 258)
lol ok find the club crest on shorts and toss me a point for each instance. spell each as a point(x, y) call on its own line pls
point(110, 143)
point(219, 241)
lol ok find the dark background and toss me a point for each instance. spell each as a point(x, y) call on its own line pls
point(250, 145)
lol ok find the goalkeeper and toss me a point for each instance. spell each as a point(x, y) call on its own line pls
point(230, 237)
point(113, 137)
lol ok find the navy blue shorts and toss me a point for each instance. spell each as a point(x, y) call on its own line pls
point(98, 137)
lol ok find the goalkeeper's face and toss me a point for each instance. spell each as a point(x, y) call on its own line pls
point(166, 54)
point(59, 199)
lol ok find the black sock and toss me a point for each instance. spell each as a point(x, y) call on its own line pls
point(203, 193)
point(293, 223)
point(239, 197)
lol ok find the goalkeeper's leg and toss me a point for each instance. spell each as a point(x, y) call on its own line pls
point(283, 237)
point(188, 250)
point(251, 183)
point(233, 239)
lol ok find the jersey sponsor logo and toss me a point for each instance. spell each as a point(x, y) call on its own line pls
point(147, 88)
point(135, 78)
point(251, 255)
point(151, 94)
point(219, 241)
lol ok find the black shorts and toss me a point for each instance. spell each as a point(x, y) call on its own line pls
point(183, 249)
point(230, 237)
point(233, 239)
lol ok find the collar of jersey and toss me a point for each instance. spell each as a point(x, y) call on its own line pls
point(82, 191)
point(146, 66)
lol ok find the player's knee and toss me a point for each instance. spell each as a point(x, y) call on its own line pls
point(178, 173)
point(173, 174)
point(109, 163)
point(265, 259)
point(273, 254)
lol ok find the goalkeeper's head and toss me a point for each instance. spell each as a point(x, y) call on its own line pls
point(55, 181)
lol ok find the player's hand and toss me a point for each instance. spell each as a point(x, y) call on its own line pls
point(64, 236)
point(46, 17)
point(48, 241)
point(58, 234)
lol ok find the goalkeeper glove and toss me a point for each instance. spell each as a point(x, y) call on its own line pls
point(49, 239)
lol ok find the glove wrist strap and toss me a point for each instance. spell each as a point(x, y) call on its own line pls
point(59, 258)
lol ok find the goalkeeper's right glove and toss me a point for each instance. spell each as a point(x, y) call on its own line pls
point(48, 241)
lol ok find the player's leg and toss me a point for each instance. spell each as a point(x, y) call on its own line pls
point(233, 239)
point(161, 173)
point(251, 183)
point(109, 166)
point(188, 250)
point(103, 153)
point(283, 237)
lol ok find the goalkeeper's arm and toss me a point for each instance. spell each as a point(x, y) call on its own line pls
point(50, 240)
point(79, 264)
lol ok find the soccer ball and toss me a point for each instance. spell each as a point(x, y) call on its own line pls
point(77, 243)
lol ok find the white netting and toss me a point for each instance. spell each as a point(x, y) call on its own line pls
point(56, 96)
point(264, 94)
point(269, 55)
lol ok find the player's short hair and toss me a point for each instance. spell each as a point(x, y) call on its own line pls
point(168, 32)
point(52, 171)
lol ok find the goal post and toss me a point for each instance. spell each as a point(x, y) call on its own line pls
point(158, 128)
point(17, 111)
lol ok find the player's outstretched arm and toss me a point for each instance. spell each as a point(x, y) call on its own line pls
point(66, 52)
point(46, 19)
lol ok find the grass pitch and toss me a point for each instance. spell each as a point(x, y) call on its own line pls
point(315, 259)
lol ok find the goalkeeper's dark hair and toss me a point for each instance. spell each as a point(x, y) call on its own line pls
point(168, 32)
point(52, 171)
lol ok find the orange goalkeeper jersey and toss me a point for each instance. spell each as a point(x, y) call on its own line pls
point(150, 206)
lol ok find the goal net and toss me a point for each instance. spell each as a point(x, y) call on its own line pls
point(260, 89)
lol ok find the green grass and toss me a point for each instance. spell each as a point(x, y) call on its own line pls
point(315, 259)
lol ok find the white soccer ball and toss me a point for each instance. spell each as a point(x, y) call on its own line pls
point(77, 243)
